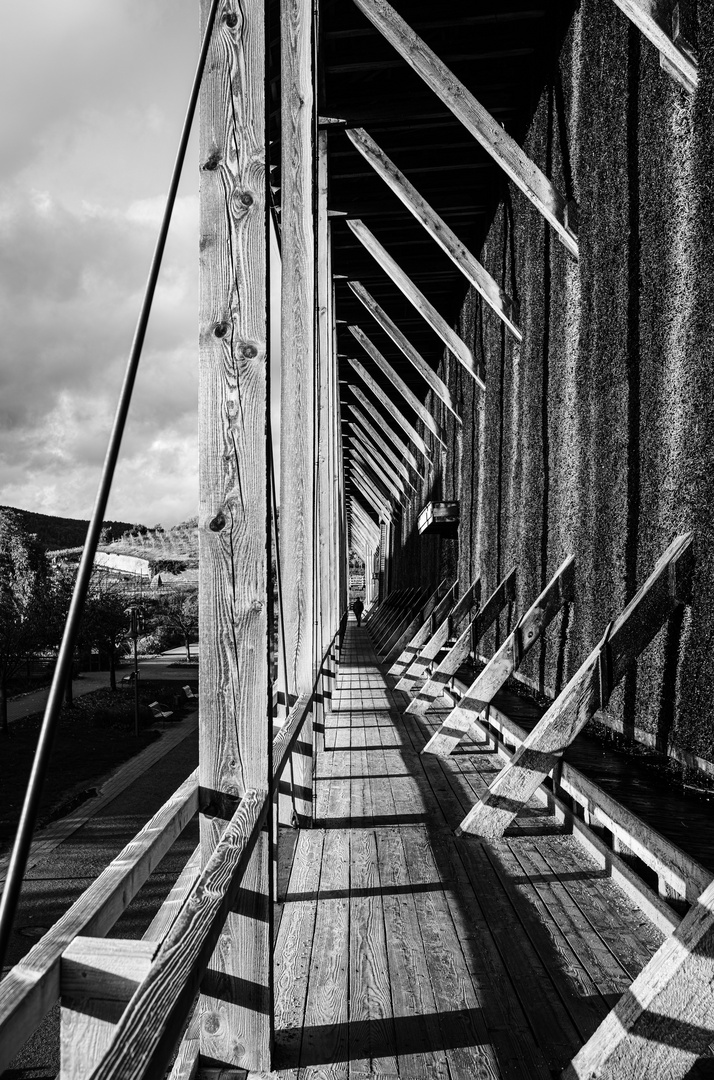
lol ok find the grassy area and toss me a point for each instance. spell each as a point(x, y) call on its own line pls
point(95, 736)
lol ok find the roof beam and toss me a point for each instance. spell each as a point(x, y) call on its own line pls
point(362, 455)
point(400, 445)
point(381, 504)
point(391, 409)
point(360, 438)
point(438, 230)
point(427, 373)
point(382, 485)
point(375, 440)
point(524, 173)
point(414, 295)
point(370, 527)
point(682, 67)
point(398, 382)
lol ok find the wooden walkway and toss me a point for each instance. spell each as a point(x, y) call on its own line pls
point(404, 951)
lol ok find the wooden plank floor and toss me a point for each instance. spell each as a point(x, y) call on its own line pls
point(403, 951)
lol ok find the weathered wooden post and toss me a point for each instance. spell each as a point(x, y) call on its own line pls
point(297, 416)
point(234, 531)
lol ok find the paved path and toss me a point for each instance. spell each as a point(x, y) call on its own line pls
point(154, 667)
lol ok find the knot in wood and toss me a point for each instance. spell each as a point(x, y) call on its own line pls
point(256, 606)
point(213, 160)
point(217, 523)
point(248, 351)
point(221, 329)
point(246, 198)
point(231, 19)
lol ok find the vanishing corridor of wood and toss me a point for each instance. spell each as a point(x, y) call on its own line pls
point(404, 951)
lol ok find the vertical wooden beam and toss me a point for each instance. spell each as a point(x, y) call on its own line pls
point(297, 415)
point(323, 552)
point(234, 519)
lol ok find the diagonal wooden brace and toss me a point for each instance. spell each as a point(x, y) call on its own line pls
point(421, 618)
point(664, 1022)
point(411, 650)
point(667, 587)
point(474, 631)
point(440, 636)
point(501, 665)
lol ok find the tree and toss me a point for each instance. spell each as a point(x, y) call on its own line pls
point(178, 610)
point(23, 595)
point(106, 621)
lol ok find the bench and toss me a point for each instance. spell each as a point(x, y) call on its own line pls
point(130, 678)
point(159, 711)
point(190, 696)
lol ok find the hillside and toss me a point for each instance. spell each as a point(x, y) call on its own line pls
point(58, 532)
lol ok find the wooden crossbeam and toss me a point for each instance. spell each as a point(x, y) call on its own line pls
point(380, 500)
point(475, 629)
point(504, 661)
point(416, 297)
point(422, 634)
point(450, 623)
point(398, 383)
point(437, 228)
point(390, 327)
point(372, 436)
point(665, 1021)
point(667, 587)
point(487, 131)
point(370, 527)
point(678, 63)
point(388, 431)
point(422, 618)
point(395, 485)
point(383, 455)
point(393, 411)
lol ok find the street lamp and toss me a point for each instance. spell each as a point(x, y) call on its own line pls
point(136, 626)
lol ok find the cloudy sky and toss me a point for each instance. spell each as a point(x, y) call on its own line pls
point(92, 95)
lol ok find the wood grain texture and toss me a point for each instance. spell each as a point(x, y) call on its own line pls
point(234, 504)
point(504, 661)
point(666, 589)
point(153, 1021)
point(644, 14)
point(415, 297)
point(437, 228)
point(487, 131)
point(477, 626)
point(98, 977)
point(32, 987)
point(400, 445)
point(402, 342)
point(411, 649)
point(398, 383)
point(665, 1020)
point(429, 650)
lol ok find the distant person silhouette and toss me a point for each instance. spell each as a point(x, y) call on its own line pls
point(358, 608)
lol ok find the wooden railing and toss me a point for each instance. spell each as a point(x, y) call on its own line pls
point(141, 992)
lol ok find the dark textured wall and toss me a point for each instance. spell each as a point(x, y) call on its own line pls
point(596, 435)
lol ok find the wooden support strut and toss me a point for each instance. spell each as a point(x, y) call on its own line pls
point(388, 431)
point(449, 623)
point(680, 64)
point(423, 633)
point(388, 462)
point(416, 297)
point(391, 408)
point(398, 383)
point(371, 437)
point(394, 484)
point(667, 587)
point(487, 131)
point(390, 327)
point(477, 626)
point(664, 1022)
point(502, 664)
point(437, 228)
point(421, 618)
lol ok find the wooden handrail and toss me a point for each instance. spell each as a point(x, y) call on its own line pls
point(152, 1023)
point(31, 988)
